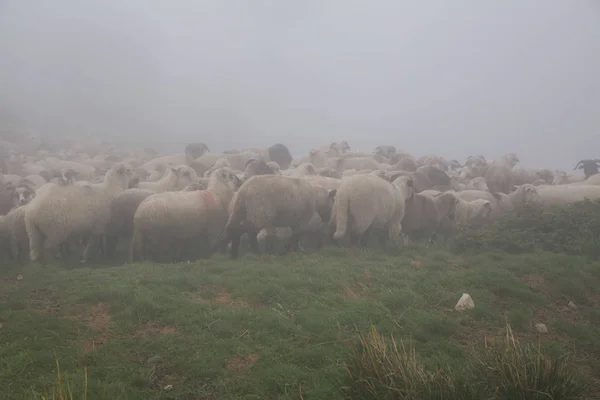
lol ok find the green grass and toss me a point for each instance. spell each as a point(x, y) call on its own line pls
point(272, 327)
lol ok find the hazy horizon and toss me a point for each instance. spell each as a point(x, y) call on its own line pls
point(448, 78)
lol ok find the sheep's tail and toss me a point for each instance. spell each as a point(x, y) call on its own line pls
point(35, 238)
point(340, 207)
point(236, 218)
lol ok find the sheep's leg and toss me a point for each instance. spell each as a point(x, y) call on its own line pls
point(364, 238)
point(270, 242)
point(354, 239)
point(90, 245)
point(253, 241)
point(135, 247)
point(235, 247)
point(292, 244)
point(383, 239)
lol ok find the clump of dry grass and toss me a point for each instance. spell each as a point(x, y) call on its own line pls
point(525, 372)
point(384, 369)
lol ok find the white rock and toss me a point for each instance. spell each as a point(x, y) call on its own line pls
point(464, 303)
point(168, 387)
point(573, 306)
point(19, 277)
point(541, 328)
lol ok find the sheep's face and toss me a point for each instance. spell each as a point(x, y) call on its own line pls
point(22, 195)
point(527, 195)
point(485, 211)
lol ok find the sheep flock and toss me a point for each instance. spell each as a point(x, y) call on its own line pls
point(71, 198)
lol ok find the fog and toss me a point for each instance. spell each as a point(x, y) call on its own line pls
point(452, 78)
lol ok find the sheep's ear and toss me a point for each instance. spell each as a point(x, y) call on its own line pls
point(332, 193)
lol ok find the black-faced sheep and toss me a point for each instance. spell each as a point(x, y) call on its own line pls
point(590, 167)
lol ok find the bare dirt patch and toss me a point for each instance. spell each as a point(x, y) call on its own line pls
point(535, 282)
point(351, 294)
point(242, 363)
point(45, 300)
point(222, 297)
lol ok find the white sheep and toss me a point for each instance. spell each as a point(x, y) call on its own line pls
point(176, 178)
point(186, 217)
point(62, 211)
point(566, 194)
point(366, 203)
point(525, 195)
point(271, 201)
point(472, 213)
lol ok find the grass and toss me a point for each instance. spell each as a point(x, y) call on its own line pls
point(308, 326)
point(271, 327)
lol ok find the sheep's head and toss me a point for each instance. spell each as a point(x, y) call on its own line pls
point(195, 150)
point(185, 175)
point(67, 177)
point(257, 167)
point(405, 182)
point(23, 193)
point(274, 167)
point(120, 173)
point(526, 195)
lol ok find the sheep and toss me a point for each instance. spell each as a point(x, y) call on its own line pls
point(566, 194)
point(180, 217)
point(477, 183)
point(176, 178)
point(301, 170)
point(270, 201)
point(476, 166)
point(256, 167)
point(366, 203)
point(420, 179)
point(472, 213)
point(122, 210)
point(523, 196)
point(63, 211)
point(436, 176)
point(342, 163)
point(499, 176)
point(424, 214)
point(590, 167)
point(385, 151)
point(16, 233)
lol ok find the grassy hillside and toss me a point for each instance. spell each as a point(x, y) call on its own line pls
point(318, 325)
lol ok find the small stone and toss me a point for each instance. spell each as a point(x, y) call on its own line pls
point(541, 328)
point(1, 326)
point(573, 306)
point(19, 277)
point(168, 387)
point(465, 303)
point(154, 360)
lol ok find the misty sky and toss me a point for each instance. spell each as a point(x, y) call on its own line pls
point(452, 78)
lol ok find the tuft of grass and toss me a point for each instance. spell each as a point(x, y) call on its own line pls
point(525, 372)
point(62, 388)
point(385, 369)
